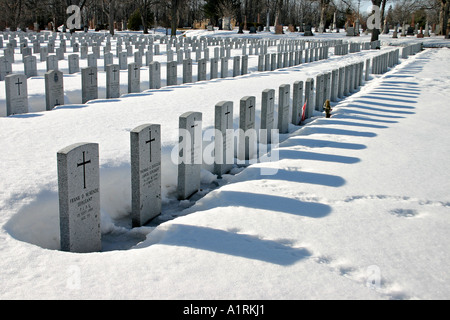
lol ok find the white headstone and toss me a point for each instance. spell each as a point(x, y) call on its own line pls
point(16, 94)
point(112, 81)
point(224, 138)
point(145, 173)
point(89, 84)
point(284, 103)
point(54, 89)
point(155, 75)
point(267, 115)
point(79, 198)
point(134, 78)
point(247, 133)
point(297, 102)
point(190, 152)
point(172, 77)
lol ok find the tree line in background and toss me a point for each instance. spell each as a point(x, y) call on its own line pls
point(172, 14)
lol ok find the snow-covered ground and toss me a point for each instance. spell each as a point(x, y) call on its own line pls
point(359, 207)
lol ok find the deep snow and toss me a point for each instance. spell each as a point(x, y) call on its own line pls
point(358, 209)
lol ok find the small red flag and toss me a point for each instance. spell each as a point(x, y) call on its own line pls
point(304, 111)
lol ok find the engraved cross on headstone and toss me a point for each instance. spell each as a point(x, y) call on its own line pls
point(18, 86)
point(149, 142)
point(84, 163)
point(228, 117)
point(91, 74)
point(114, 70)
point(250, 113)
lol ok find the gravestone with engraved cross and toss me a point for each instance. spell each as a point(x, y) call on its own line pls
point(52, 63)
point(74, 63)
point(284, 102)
point(112, 81)
point(16, 94)
point(79, 198)
point(89, 84)
point(201, 70)
point(30, 66)
point(267, 115)
point(145, 173)
point(297, 102)
point(224, 138)
point(214, 68)
point(247, 133)
point(54, 89)
point(190, 154)
point(309, 98)
point(187, 70)
point(155, 75)
point(172, 73)
point(5, 68)
point(134, 78)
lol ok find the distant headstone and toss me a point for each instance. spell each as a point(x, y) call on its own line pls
point(155, 75)
point(112, 81)
point(214, 68)
point(134, 78)
point(201, 73)
point(54, 89)
point(123, 61)
point(108, 58)
point(283, 108)
point(320, 87)
point(190, 152)
point(74, 63)
point(5, 68)
point(334, 85)
point(244, 66)
point(52, 63)
point(16, 94)
point(89, 84)
point(79, 198)
point(267, 115)
point(247, 133)
point(309, 97)
point(297, 102)
point(236, 66)
point(30, 66)
point(187, 70)
point(172, 78)
point(92, 60)
point(145, 173)
point(224, 67)
point(224, 138)
point(307, 31)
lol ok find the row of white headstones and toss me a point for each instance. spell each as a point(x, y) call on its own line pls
point(78, 164)
point(289, 54)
